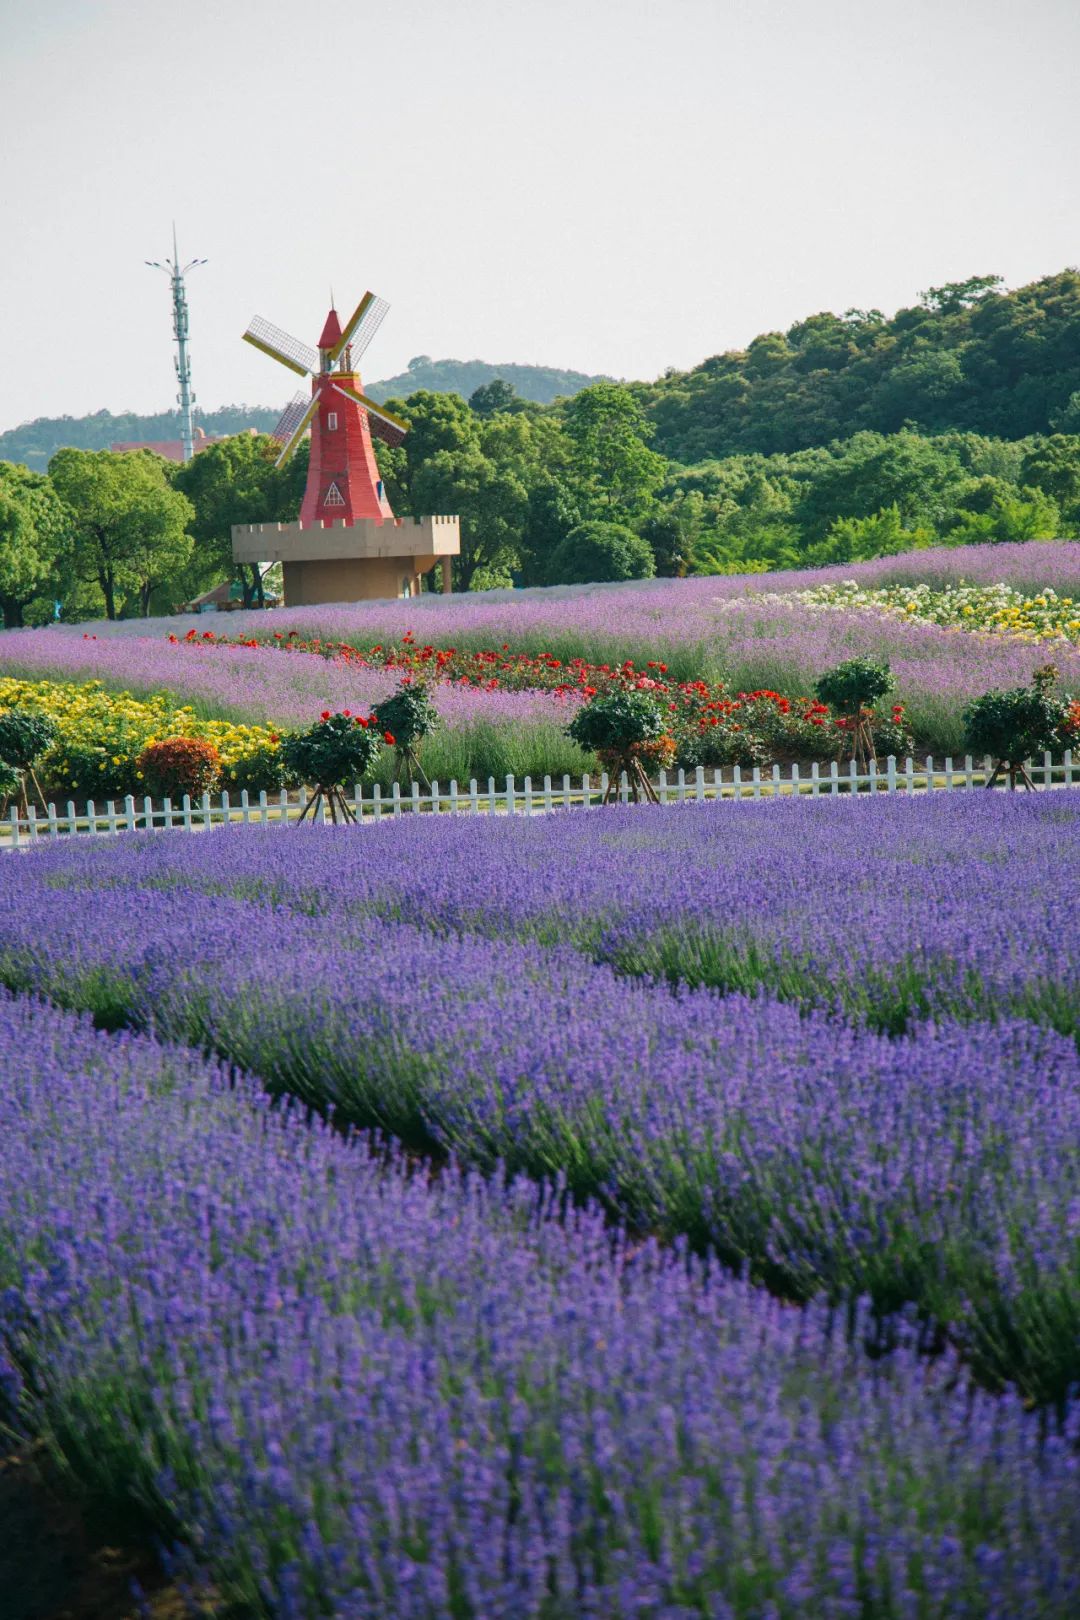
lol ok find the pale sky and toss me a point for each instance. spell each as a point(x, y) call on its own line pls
point(611, 185)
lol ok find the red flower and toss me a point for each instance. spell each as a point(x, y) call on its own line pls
point(325, 715)
point(388, 737)
point(347, 713)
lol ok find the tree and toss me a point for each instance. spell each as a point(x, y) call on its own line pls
point(870, 471)
point(609, 435)
point(1012, 515)
point(491, 501)
point(235, 481)
point(859, 539)
point(1053, 465)
point(955, 296)
point(128, 529)
point(496, 395)
point(595, 553)
point(33, 520)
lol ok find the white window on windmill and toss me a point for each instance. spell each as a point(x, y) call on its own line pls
point(331, 421)
point(333, 497)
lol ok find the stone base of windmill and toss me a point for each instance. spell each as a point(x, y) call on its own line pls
point(351, 562)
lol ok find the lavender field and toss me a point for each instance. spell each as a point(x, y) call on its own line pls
point(642, 1213)
point(748, 633)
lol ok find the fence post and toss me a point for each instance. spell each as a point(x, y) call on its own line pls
point(1048, 770)
point(416, 796)
point(493, 797)
point(736, 781)
point(510, 796)
point(528, 796)
point(718, 781)
point(91, 816)
point(474, 797)
point(245, 807)
point(681, 786)
point(890, 774)
point(756, 779)
point(1068, 764)
point(624, 788)
point(54, 831)
point(586, 792)
point(31, 822)
point(185, 811)
point(166, 813)
point(871, 771)
point(699, 783)
point(454, 794)
point(376, 801)
point(948, 773)
point(264, 807)
point(225, 803)
point(547, 794)
point(110, 814)
point(815, 780)
point(396, 796)
point(795, 788)
point(929, 773)
point(14, 826)
point(776, 781)
point(72, 819)
point(204, 807)
point(969, 779)
point(566, 791)
point(603, 785)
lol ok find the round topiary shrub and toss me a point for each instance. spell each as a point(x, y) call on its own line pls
point(332, 754)
point(852, 690)
point(626, 730)
point(598, 553)
point(1013, 725)
point(409, 716)
point(25, 735)
point(180, 765)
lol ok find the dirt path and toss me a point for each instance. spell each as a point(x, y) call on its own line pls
point(52, 1568)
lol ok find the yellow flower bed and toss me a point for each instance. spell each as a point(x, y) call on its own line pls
point(994, 610)
point(103, 733)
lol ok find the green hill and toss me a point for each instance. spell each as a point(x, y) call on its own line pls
point(540, 383)
point(967, 357)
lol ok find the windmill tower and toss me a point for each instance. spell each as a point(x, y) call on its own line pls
point(348, 544)
point(185, 398)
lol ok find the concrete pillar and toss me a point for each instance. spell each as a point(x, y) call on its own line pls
point(446, 577)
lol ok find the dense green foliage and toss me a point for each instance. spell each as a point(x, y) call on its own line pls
point(968, 357)
point(180, 765)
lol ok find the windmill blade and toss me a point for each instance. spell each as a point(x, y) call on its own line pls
point(360, 327)
point(300, 428)
point(290, 416)
point(384, 424)
point(299, 357)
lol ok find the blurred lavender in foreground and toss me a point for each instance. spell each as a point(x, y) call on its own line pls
point(353, 1391)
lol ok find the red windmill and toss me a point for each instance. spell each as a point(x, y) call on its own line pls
point(343, 482)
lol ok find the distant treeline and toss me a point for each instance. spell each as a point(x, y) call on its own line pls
point(35, 443)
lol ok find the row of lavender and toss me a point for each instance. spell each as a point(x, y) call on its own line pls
point(935, 1165)
point(346, 1390)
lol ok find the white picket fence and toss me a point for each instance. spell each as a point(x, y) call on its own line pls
point(525, 798)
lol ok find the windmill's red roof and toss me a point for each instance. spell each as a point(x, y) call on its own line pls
point(331, 331)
